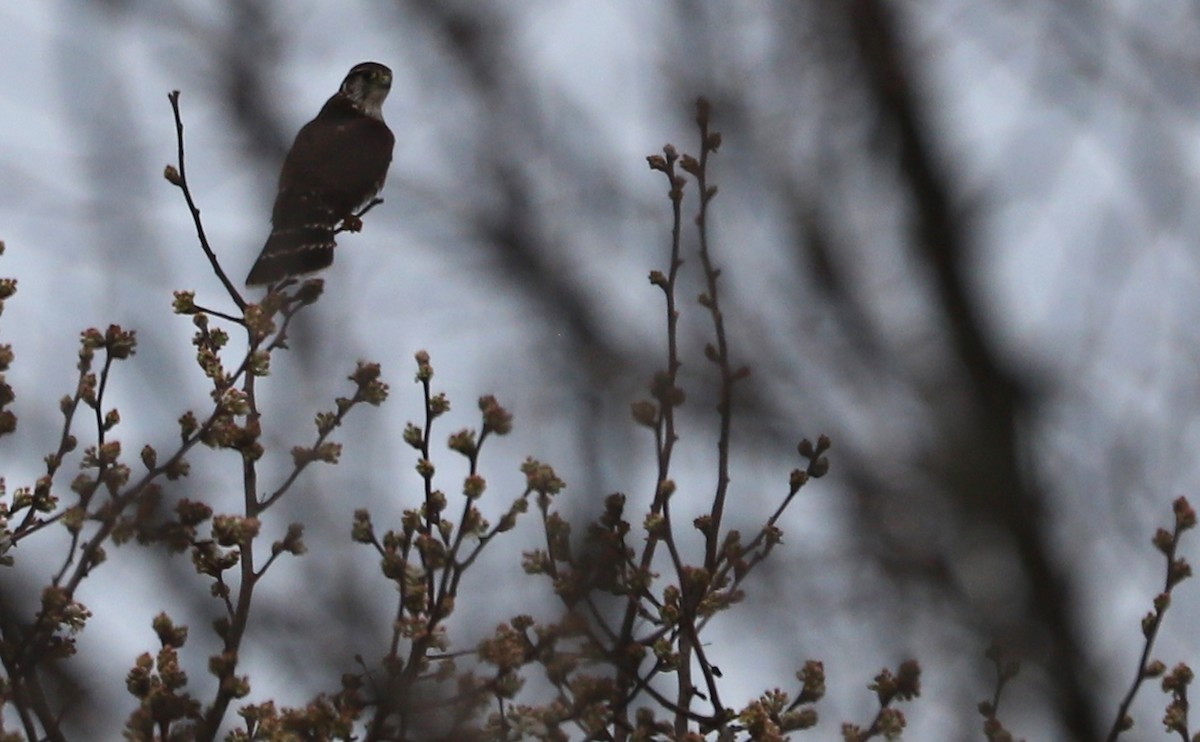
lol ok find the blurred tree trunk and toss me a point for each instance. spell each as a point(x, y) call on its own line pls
point(991, 487)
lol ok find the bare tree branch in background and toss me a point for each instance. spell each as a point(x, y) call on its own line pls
point(994, 490)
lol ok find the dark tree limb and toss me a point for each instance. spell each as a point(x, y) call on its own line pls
point(998, 398)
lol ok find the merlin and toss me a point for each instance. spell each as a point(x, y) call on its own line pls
point(336, 165)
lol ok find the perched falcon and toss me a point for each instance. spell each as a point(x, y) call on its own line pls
point(336, 165)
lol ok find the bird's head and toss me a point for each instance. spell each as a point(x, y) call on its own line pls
point(367, 86)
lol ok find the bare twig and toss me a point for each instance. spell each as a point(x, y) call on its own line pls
point(180, 180)
point(667, 396)
point(1176, 571)
point(344, 227)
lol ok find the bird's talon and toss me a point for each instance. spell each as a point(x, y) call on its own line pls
point(352, 223)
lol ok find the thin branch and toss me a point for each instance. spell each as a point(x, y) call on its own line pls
point(222, 315)
point(182, 182)
point(1168, 544)
point(709, 142)
point(344, 227)
point(665, 392)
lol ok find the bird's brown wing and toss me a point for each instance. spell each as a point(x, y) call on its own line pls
point(338, 162)
point(341, 156)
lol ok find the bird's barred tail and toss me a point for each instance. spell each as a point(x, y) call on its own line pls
point(293, 252)
point(301, 239)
